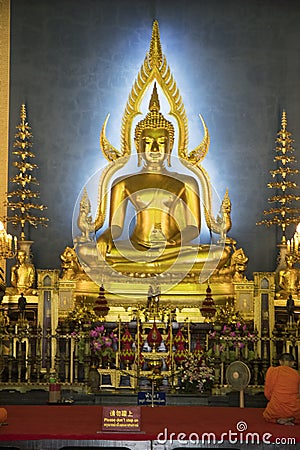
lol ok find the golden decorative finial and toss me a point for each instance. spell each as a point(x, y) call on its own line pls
point(154, 101)
point(23, 127)
point(23, 114)
point(283, 120)
point(226, 203)
point(85, 202)
point(155, 52)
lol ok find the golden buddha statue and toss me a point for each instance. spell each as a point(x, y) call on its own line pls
point(23, 275)
point(167, 209)
point(70, 267)
point(155, 213)
point(289, 278)
point(234, 270)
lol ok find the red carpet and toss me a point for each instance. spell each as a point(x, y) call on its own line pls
point(84, 423)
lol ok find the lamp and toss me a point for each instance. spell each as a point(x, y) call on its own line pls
point(208, 309)
point(101, 307)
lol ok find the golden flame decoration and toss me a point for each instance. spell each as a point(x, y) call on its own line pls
point(155, 67)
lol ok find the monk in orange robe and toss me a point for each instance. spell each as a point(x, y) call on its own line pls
point(282, 390)
point(3, 416)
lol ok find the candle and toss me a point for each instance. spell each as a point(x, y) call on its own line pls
point(222, 374)
point(9, 242)
point(296, 243)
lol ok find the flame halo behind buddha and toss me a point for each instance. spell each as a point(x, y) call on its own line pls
point(161, 232)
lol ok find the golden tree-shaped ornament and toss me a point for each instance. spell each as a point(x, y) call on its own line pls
point(22, 200)
point(284, 213)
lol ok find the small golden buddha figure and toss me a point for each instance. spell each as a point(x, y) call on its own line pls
point(71, 269)
point(160, 232)
point(153, 299)
point(23, 275)
point(289, 278)
point(234, 271)
point(240, 265)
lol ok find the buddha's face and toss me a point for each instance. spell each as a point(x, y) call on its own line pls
point(21, 257)
point(154, 145)
point(289, 262)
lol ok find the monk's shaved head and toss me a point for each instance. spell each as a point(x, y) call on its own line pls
point(286, 357)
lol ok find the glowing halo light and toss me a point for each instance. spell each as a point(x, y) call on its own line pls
point(175, 272)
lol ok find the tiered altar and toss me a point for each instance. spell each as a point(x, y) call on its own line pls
point(139, 295)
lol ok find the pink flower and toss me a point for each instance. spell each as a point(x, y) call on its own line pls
point(100, 329)
point(107, 341)
point(93, 333)
point(113, 337)
point(97, 346)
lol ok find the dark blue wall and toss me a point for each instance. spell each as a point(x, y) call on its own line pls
point(236, 62)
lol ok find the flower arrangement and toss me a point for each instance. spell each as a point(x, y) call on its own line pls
point(81, 317)
point(235, 340)
point(234, 331)
point(102, 344)
point(227, 314)
point(196, 374)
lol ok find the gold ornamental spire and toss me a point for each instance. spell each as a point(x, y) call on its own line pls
point(22, 200)
point(285, 211)
point(154, 68)
point(283, 121)
point(155, 53)
point(154, 104)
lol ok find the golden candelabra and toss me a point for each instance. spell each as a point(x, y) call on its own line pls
point(8, 244)
point(294, 243)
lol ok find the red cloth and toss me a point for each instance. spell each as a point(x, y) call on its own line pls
point(77, 422)
point(282, 391)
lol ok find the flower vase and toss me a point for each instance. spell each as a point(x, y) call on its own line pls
point(94, 379)
point(104, 362)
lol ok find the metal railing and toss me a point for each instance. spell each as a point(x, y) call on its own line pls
point(31, 356)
